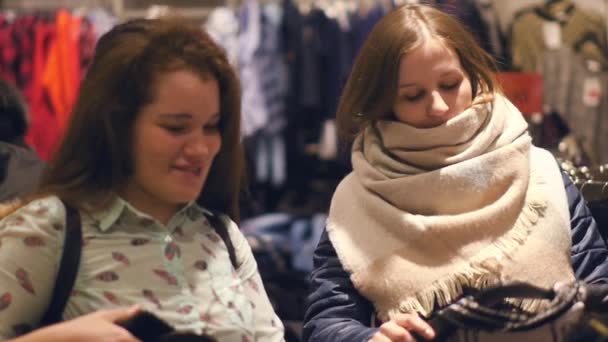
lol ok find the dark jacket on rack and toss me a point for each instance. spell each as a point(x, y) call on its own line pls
point(337, 312)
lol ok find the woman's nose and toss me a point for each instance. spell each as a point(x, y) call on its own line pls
point(438, 106)
point(197, 146)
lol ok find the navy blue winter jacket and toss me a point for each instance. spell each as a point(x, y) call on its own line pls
point(337, 312)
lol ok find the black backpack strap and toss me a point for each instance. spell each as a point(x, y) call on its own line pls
point(68, 268)
point(221, 229)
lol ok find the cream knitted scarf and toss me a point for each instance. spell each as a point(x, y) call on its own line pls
point(471, 203)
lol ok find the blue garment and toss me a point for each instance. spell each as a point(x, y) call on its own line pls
point(362, 25)
point(280, 234)
point(272, 67)
point(311, 59)
point(337, 312)
point(262, 68)
point(282, 245)
point(468, 13)
point(336, 63)
point(269, 158)
point(253, 103)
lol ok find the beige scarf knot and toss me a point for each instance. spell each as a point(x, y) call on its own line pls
point(426, 212)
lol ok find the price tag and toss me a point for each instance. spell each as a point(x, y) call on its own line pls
point(552, 34)
point(592, 92)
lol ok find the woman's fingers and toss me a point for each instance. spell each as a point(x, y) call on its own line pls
point(416, 324)
point(394, 332)
point(379, 337)
point(400, 327)
point(117, 315)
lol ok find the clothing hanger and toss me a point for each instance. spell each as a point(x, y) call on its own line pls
point(77, 7)
point(232, 4)
point(305, 6)
point(604, 193)
point(364, 7)
point(558, 9)
point(591, 48)
point(587, 37)
point(9, 15)
point(406, 2)
point(554, 3)
point(593, 190)
point(157, 11)
point(324, 5)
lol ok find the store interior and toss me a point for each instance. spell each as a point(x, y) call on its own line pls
point(293, 58)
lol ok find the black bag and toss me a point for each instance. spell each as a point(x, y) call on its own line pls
point(574, 312)
point(147, 327)
point(68, 269)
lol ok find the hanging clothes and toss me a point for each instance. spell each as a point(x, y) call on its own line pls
point(223, 26)
point(496, 40)
point(272, 67)
point(43, 133)
point(62, 71)
point(254, 114)
point(362, 23)
point(588, 106)
point(556, 44)
point(8, 53)
point(535, 30)
point(555, 67)
point(46, 54)
point(467, 11)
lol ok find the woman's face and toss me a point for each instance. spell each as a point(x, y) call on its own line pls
point(176, 138)
point(432, 86)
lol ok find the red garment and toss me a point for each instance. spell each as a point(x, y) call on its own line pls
point(24, 37)
point(44, 60)
point(8, 51)
point(62, 71)
point(43, 133)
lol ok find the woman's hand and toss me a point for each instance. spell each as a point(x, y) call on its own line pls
point(400, 329)
point(96, 326)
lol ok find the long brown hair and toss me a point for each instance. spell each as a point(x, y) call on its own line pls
point(95, 157)
point(371, 88)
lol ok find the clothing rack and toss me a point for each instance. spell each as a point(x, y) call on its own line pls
point(115, 6)
point(194, 13)
point(122, 9)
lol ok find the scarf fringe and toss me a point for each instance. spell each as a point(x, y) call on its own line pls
point(486, 271)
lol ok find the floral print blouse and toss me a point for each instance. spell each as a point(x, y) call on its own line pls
point(181, 271)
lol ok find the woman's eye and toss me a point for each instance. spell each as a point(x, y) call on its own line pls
point(450, 86)
point(212, 127)
point(414, 97)
point(175, 129)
